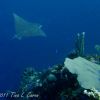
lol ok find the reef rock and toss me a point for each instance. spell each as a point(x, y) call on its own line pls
point(88, 72)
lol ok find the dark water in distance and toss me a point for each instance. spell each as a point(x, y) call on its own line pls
point(61, 20)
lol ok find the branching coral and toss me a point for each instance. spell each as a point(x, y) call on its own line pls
point(93, 93)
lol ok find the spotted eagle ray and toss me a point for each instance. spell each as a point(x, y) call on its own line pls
point(23, 28)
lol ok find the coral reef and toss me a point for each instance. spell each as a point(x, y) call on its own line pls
point(79, 50)
point(92, 93)
point(80, 44)
point(93, 58)
point(71, 80)
point(88, 72)
point(56, 83)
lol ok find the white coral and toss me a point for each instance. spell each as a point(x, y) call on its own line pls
point(93, 93)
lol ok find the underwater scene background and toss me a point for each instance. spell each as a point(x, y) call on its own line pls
point(61, 20)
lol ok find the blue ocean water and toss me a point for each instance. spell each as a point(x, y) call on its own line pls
point(61, 20)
